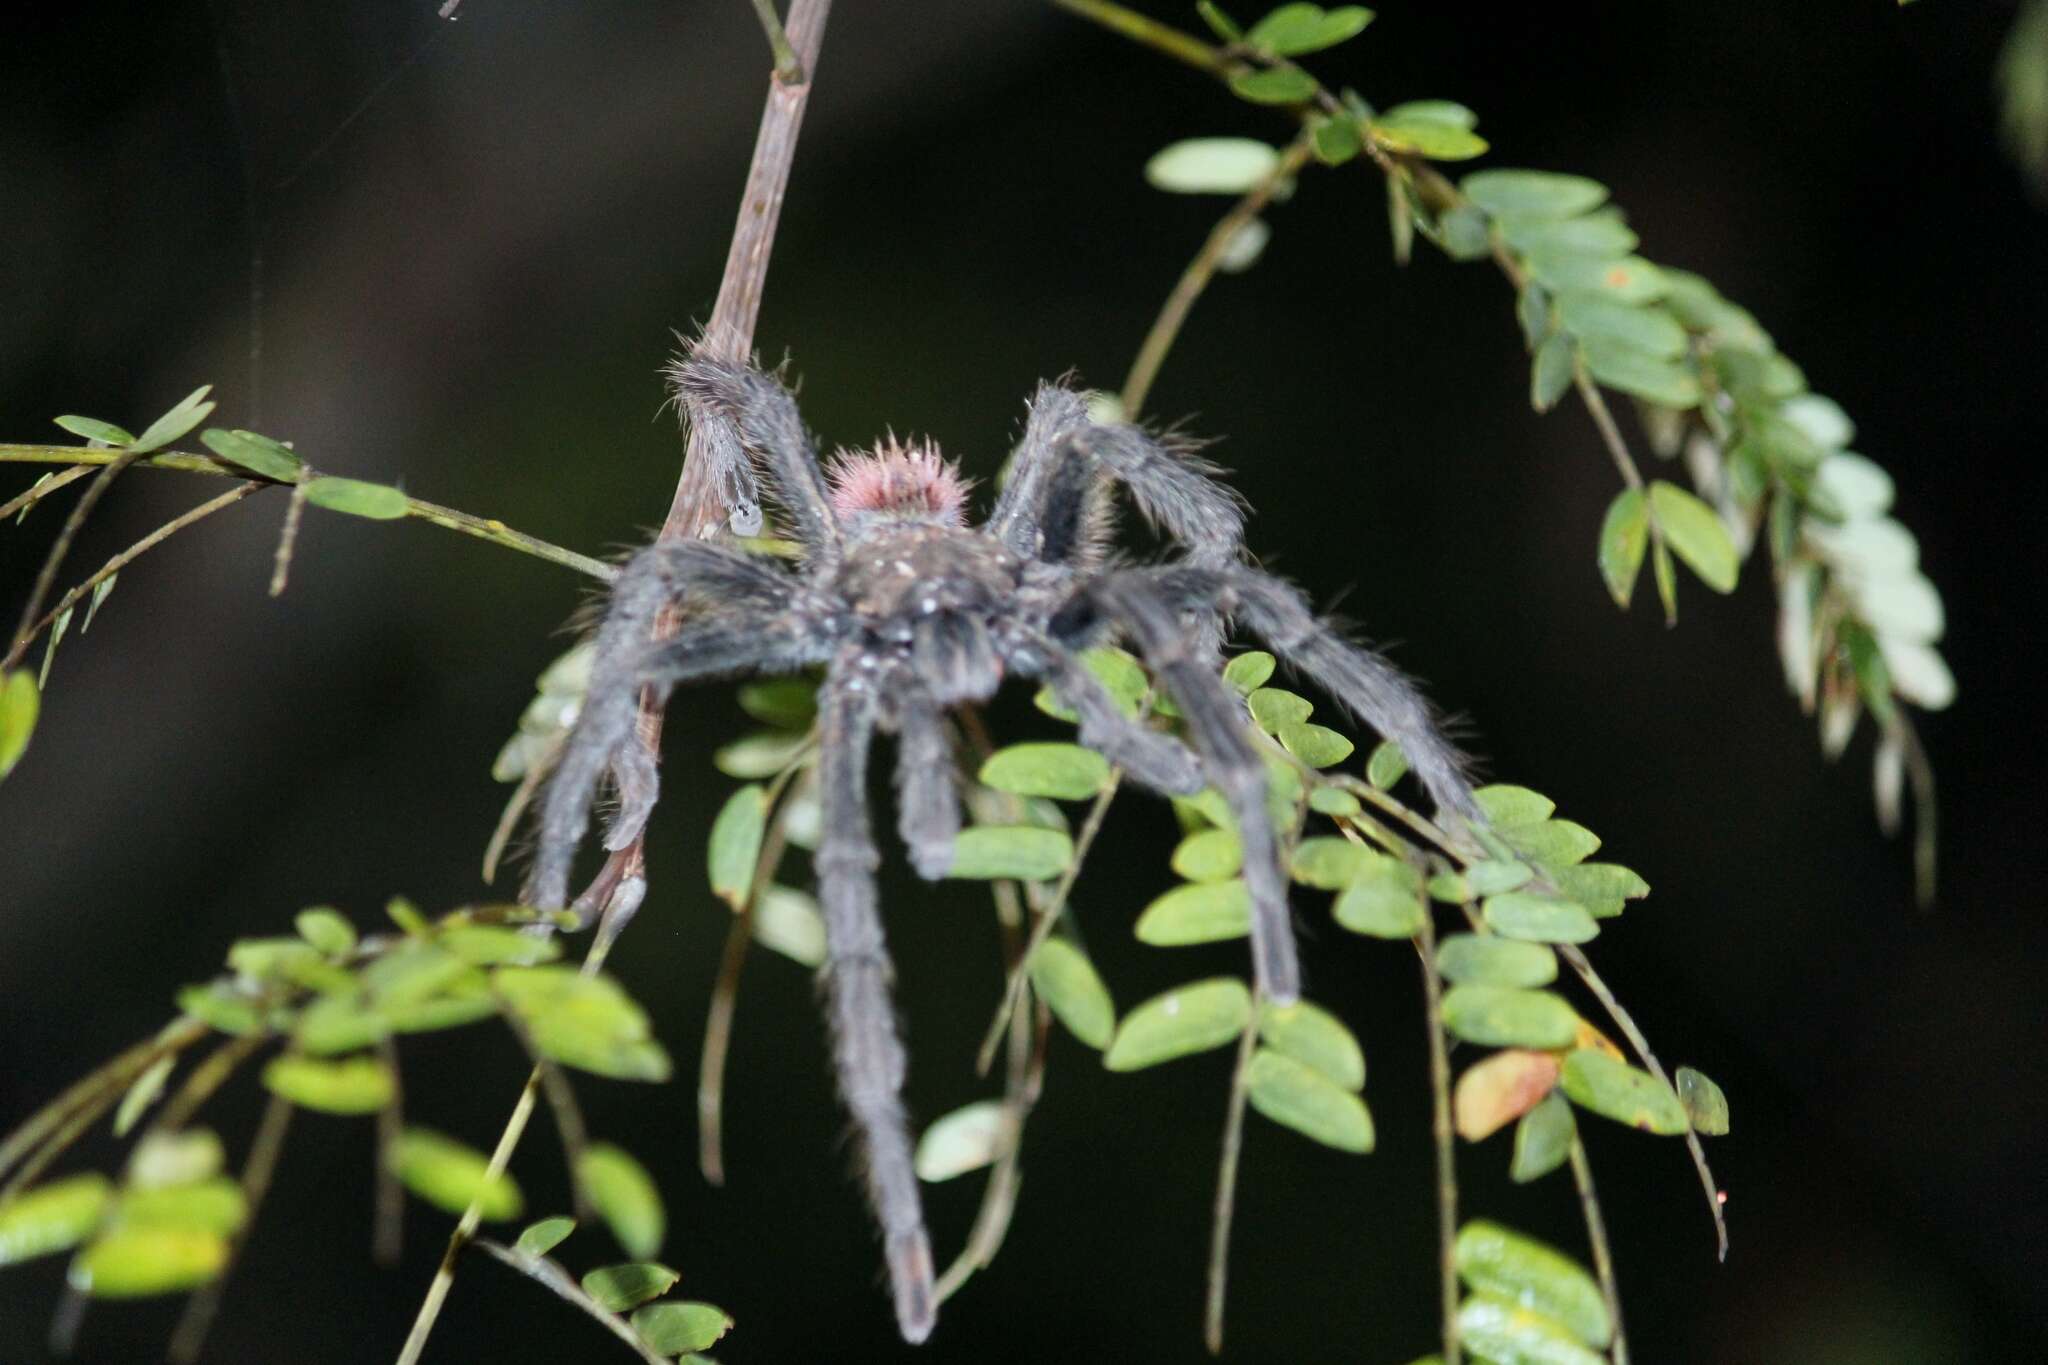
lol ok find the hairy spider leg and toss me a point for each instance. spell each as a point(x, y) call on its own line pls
point(866, 1052)
point(1215, 718)
point(927, 795)
point(1154, 758)
point(1361, 681)
point(771, 429)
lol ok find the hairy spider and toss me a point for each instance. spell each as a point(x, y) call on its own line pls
point(911, 611)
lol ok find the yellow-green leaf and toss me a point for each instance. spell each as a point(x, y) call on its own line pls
point(255, 453)
point(449, 1174)
point(1558, 843)
point(1497, 1260)
point(54, 1217)
point(1532, 194)
point(1199, 912)
point(1623, 537)
point(1022, 852)
point(588, 1022)
point(1072, 989)
point(1211, 165)
point(141, 1260)
point(1329, 862)
point(1538, 919)
point(1302, 1098)
point(1248, 672)
point(327, 930)
point(179, 1158)
point(1315, 1038)
point(538, 1239)
point(673, 1329)
point(354, 1085)
point(215, 1204)
point(1294, 30)
point(619, 1287)
point(20, 703)
point(787, 921)
point(1504, 1332)
point(1387, 765)
point(1704, 1103)
point(1486, 960)
point(1208, 855)
point(735, 846)
point(377, 501)
point(1543, 1140)
point(1509, 1016)
point(965, 1140)
point(1695, 533)
point(1189, 1019)
point(1316, 745)
point(1060, 772)
point(625, 1196)
point(1383, 901)
point(1615, 1090)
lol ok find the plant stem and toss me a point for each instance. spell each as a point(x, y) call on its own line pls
point(1580, 964)
point(1446, 1151)
point(1603, 1257)
point(1162, 38)
point(42, 488)
point(1226, 1187)
point(1610, 432)
point(788, 69)
point(190, 1335)
point(1166, 327)
point(117, 461)
point(448, 518)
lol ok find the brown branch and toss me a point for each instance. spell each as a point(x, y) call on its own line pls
point(1446, 1149)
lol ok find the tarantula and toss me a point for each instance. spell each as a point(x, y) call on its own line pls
point(911, 611)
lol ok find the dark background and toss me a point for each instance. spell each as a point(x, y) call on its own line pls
point(468, 290)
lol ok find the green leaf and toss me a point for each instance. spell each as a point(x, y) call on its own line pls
point(496, 945)
point(1219, 23)
point(1315, 1038)
point(1590, 883)
point(1705, 1105)
point(1123, 677)
point(1667, 580)
point(619, 1287)
point(1199, 912)
point(1335, 140)
point(1060, 772)
point(762, 754)
point(140, 1261)
point(1629, 280)
point(93, 429)
point(1505, 804)
point(1072, 989)
point(1558, 843)
point(786, 703)
point(339, 1023)
point(1334, 802)
point(1208, 855)
point(1532, 194)
point(965, 1140)
point(1538, 919)
point(1329, 862)
point(1507, 1016)
point(1448, 112)
point(179, 1158)
point(1497, 1260)
point(1532, 313)
point(141, 1094)
point(1293, 30)
point(1275, 707)
point(101, 591)
point(787, 921)
point(1551, 372)
point(1302, 1098)
point(415, 971)
point(1020, 852)
point(1502, 1332)
point(257, 454)
point(1211, 165)
point(1249, 671)
point(215, 1204)
point(588, 1022)
point(1649, 331)
point(189, 413)
point(354, 1085)
point(1387, 765)
point(673, 1329)
point(1620, 366)
point(1624, 535)
point(1496, 875)
point(1696, 534)
point(1485, 960)
point(50, 1218)
point(1189, 1019)
point(1384, 901)
point(1274, 85)
point(1543, 1140)
point(220, 1006)
point(625, 1196)
point(449, 1174)
point(1463, 234)
point(1613, 1089)
point(735, 846)
point(1315, 745)
point(327, 930)
point(377, 501)
point(1601, 236)
point(538, 1239)
point(20, 702)
point(1432, 138)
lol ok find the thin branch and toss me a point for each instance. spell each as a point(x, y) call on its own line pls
point(1226, 1187)
point(1578, 960)
point(788, 69)
point(140, 548)
point(115, 1075)
point(1202, 269)
point(1446, 1149)
point(551, 1274)
point(1162, 38)
point(42, 488)
point(287, 541)
point(264, 1150)
point(110, 470)
point(448, 518)
point(387, 1230)
point(1596, 1236)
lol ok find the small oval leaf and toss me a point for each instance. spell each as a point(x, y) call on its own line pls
point(1072, 989)
point(142, 1260)
point(1508, 1016)
point(965, 1140)
point(448, 1174)
point(735, 844)
point(1302, 1098)
point(1060, 772)
point(1483, 959)
point(1315, 1038)
point(1498, 1260)
point(1694, 532)
point(1615, 1090)
point(1211, 165)
point(1189, 1019)
point(1199, 912)
point(1497, 1090)
point(619, 1287)
point(354, 1085)
point(625, 1196)
point(1543, 1140)
point(54, 1217)
point(1019, 852)
point(1538, 919)
point(377, 501)
point(673, 1329)
point(1704, 1103)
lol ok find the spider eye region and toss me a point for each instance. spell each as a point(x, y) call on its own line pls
point(899, 480)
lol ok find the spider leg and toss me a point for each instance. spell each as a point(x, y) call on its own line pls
point(867, 1054)
point(1216, 722)
point(927, 796)
point(769, 427)
point(1364, 683)
point(1151, 756)
point(605, 734)
point(1048, 509)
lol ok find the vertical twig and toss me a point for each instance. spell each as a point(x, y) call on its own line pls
point(268, 1145)
point(387, 1228)
point(1596, 1235)
point(1226, 1187)
point(1446, 1151)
